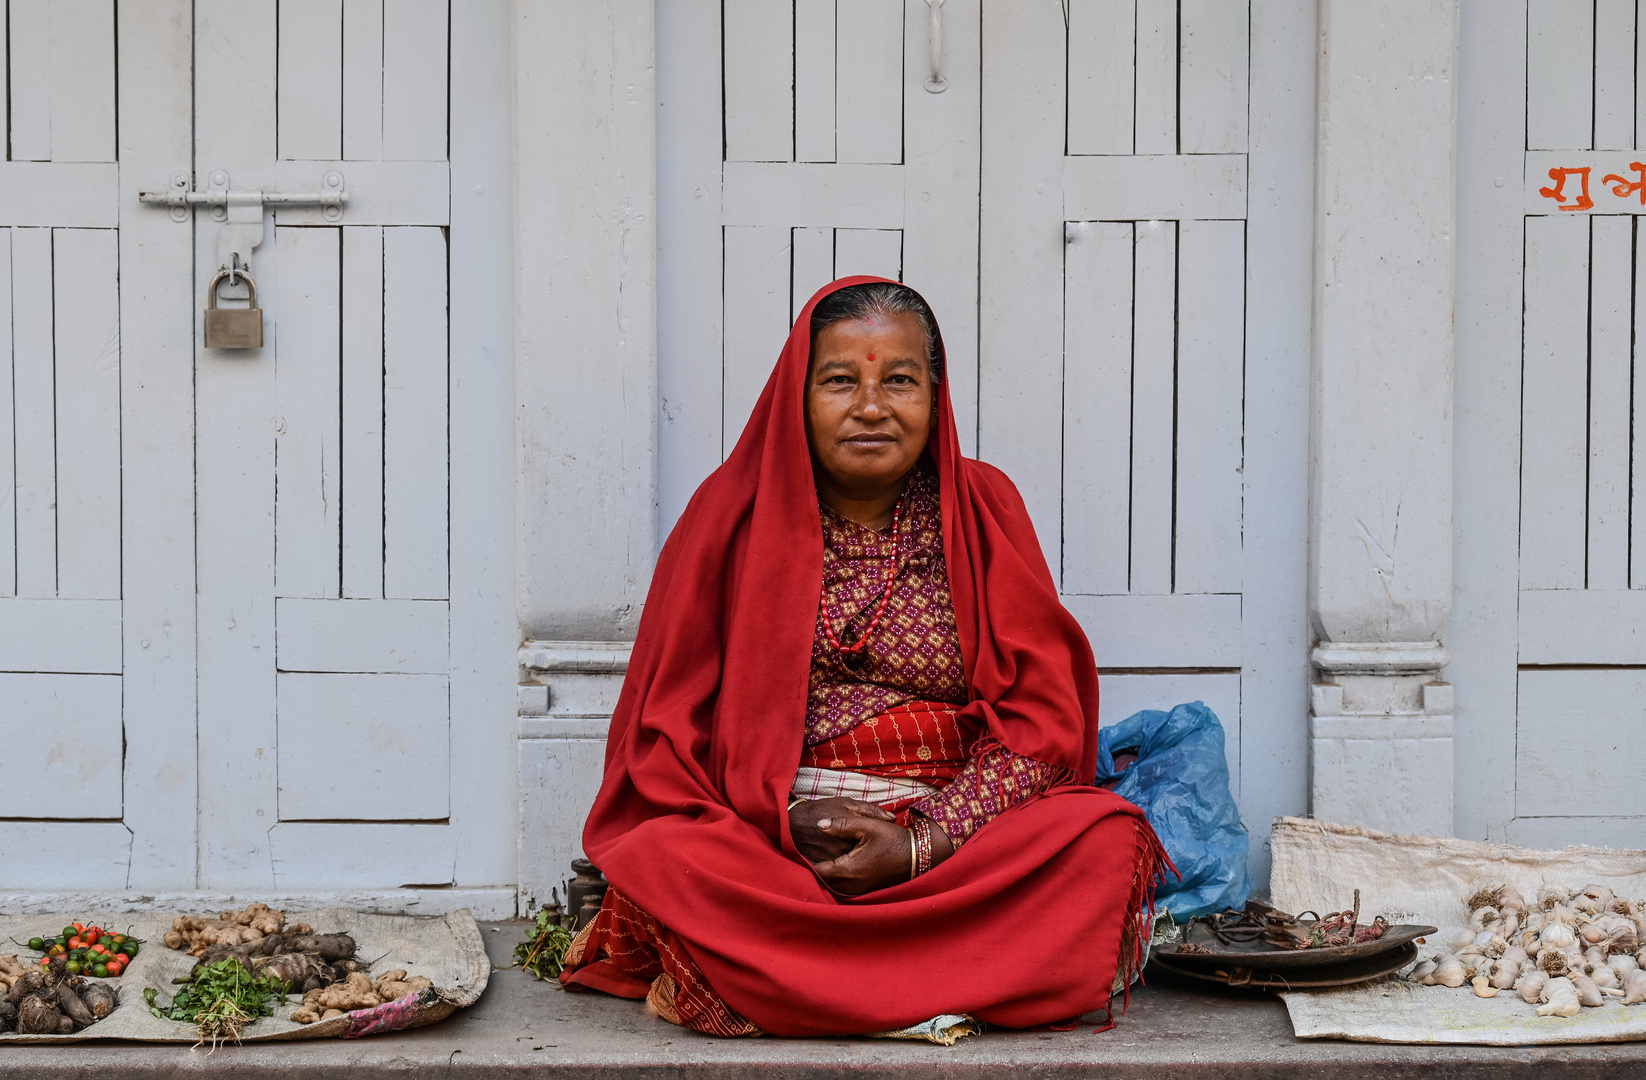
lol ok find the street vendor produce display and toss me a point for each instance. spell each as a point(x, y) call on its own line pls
point(1565, 951)
point(50, 1000)
point(245, 975)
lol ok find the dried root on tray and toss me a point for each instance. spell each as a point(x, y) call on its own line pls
point(358, 991)
point(49, 1001)
point(1563, 952)
point(194, 934)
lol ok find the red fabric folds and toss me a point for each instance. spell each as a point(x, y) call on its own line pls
point(1022, 926)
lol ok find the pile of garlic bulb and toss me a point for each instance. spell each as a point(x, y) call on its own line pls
point(1569, 951)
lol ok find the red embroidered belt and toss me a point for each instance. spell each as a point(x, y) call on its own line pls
point(923, 740)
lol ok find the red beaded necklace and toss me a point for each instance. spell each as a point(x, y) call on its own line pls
point(885, 593)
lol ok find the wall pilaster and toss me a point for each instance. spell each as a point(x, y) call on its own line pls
point(1381, 441)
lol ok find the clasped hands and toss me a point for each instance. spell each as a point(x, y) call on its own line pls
point(855, 846)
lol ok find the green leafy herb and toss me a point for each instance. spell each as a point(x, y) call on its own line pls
point(223, 998)
point(544, 952)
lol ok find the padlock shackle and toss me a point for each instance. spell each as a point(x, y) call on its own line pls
point(211, 290)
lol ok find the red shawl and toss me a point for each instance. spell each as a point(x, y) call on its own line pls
point(1021, 926)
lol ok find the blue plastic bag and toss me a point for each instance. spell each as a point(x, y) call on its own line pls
point(1180, 781)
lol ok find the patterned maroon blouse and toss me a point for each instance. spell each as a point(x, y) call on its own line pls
point(914, 655)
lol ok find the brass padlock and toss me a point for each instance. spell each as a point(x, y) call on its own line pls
point(233, 328)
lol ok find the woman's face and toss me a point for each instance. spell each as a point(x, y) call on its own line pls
point(869, 402)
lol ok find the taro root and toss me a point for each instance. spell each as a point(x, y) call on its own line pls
point(70, 1005)
point(37, 1016)
point(28, 984)
point(99, 997)
point(293, 969)
point(327, 947)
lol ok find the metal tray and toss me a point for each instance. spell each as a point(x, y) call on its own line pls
point(1346, 973)
point(1260, 954)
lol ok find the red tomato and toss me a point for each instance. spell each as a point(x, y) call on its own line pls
point(91, 935)
point(99, 949)
point(45, 961)
point(78, 925)
point(76, 943)
point(123, 958)
point(115, 969)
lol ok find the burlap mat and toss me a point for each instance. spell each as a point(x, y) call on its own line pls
point(447, 949)
point(1424, 879)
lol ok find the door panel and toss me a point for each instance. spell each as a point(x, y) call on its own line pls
point(1113, 293)
point(828, 157)
point(60, 469)
point(324, 517)
point(1549, 458)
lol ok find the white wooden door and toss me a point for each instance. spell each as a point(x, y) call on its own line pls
point(1114, 380)
point(797, 144)
point(1549, 636)
point(229, 657)
point(96, 606)
point(325, 710)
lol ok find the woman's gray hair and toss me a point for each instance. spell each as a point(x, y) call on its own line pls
point(878, 299)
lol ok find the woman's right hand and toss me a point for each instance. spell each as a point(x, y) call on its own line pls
point(819, 846)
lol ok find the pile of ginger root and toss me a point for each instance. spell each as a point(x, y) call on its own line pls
point(358, 991)
point(1566, 952)
point(194, 935)
point(321, 967)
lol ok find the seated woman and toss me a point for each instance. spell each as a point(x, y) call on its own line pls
point(851, 812)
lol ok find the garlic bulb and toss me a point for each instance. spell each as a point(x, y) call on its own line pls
point(1461, 940)
point(1601, 895)
point(1514, 954)
point(1483, 987)
point(1553, 894)
point(1559, 913)
point(1530, 986)
point(1509, 925)
point(1594, 955)
point(1603, 976)
point(1422, 972)
point(1495, 947)
point(1557, 935)
point(1483, 918)
point(1450, 972)
point(1634, 987)
point(1560, 999)
point(1588, 994)
point(1552, 961)
point(1504, 975)
point(1622, 964)
point(1586, 904)
point(1509, 899)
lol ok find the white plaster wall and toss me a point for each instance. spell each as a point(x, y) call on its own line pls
point(1381, 461)
point(586, 348)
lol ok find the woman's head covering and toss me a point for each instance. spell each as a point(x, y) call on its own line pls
point(709, 727)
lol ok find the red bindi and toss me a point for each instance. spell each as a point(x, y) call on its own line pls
point(871, 357)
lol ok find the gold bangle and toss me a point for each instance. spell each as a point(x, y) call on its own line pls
point(914, 856)
point(796, 801)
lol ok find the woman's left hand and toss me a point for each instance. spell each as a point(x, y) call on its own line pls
point(879, 856)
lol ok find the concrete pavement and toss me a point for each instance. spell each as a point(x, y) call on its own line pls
point(523, 1028)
